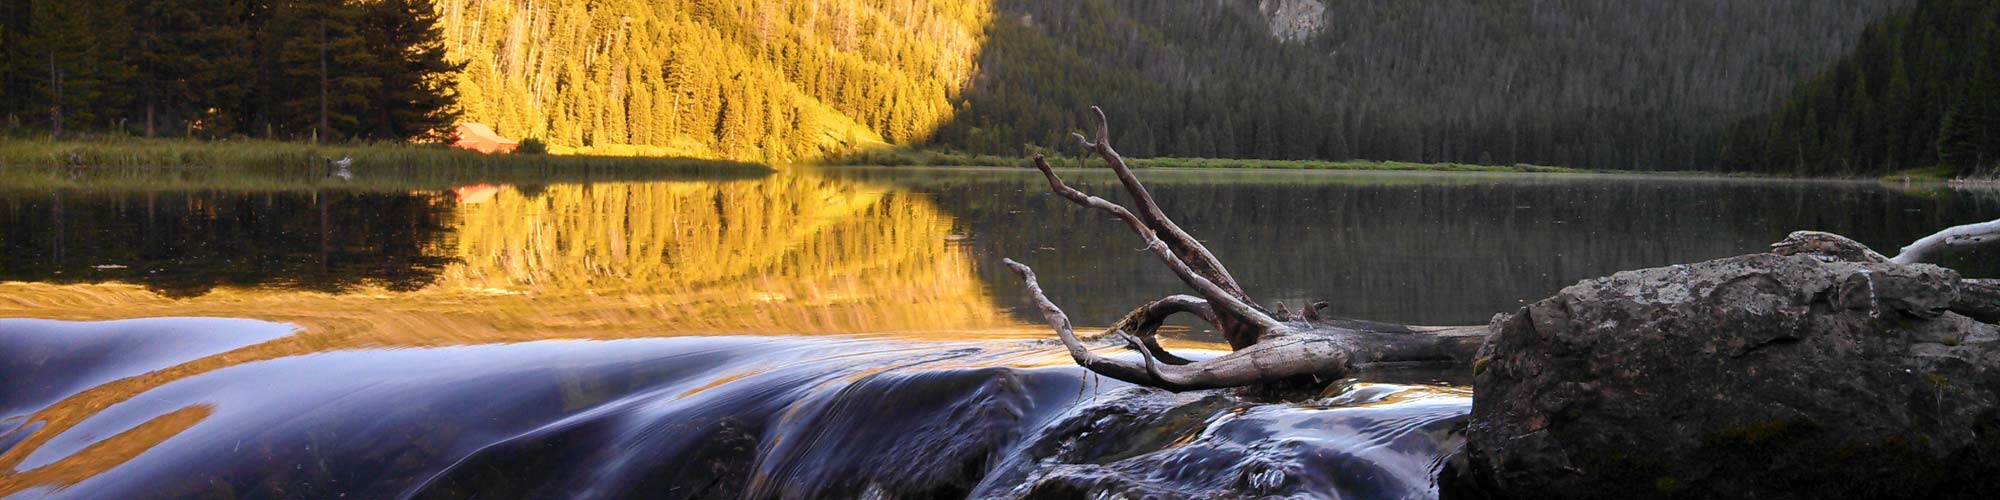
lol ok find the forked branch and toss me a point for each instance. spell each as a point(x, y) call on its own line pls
point(1266, 348)
point(1275, 359)
point(1226, 303)
point(1143, 324)
point(1186, 247)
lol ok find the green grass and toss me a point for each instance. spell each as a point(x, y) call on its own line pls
point(907, 157)
point(1935, 173)
point(893, 157)
point(170, 164)
point(1343, 165)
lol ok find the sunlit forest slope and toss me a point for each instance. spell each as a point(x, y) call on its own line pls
point(772, 80)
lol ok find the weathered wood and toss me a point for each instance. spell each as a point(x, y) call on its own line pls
point(1186, 247)
point(1929, 248)
point(1226, 303)
point(1267, 347)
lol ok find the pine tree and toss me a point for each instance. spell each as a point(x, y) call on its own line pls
point(195, 70)
point(326, 67)
point(415, 98)
point(80, 79)
point(1970, 134)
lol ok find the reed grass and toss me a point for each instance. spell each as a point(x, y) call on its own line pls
point(126, 163)
point(917, 157)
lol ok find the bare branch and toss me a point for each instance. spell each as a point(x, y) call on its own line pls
point(1228, 303)
point(1955, 238)
point(1265, 349)
point(1147, 318)
point(1121, 370)
point(1326, 355)
point(1197, 256)
point(1144, 323)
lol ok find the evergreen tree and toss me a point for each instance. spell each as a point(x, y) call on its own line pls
point(327, 72)
point(1970, 135)
point(194, 66)
point(76, 76)
point(415, 98)
point(1940, 72)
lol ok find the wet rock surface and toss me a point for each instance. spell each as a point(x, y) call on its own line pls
point(1369, 441)
point(1759, 376)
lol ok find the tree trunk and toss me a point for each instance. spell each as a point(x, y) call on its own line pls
point(55, 105)
point(323, 130)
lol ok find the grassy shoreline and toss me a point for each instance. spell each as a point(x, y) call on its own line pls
point(167, 164)
point(913, 158)
point(135, 152)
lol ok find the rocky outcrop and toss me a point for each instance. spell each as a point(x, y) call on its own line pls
point(1819, 374)
point(1294, 21)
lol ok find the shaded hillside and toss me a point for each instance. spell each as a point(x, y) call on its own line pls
point(1921, 89)
point(291, 69)
point(1645, 85)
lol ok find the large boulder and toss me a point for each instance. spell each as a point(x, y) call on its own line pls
point(1760, 376)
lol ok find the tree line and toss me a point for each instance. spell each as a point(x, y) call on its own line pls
point(1921, 89)
point(284, 69)
point(1586, 83)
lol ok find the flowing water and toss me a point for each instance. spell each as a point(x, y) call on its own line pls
point(798, 334)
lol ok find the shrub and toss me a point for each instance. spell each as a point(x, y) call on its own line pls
point(532, 146)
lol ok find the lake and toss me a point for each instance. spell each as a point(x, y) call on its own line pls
point(801, 333)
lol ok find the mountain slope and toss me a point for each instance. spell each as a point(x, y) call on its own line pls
point(748, 80)
point(1921, 89)
point(1646, 85)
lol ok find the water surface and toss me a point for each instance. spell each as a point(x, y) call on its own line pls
point(803, 333)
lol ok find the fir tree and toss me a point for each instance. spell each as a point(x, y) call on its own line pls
point(415, 97)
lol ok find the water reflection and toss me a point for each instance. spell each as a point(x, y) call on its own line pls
point(501, 266)
point(876, 250)
point(187, 243)
point(790, 253)
point(1417, 248)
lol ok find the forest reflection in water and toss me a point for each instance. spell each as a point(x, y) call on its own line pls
point(785, 254)
point(1415, 247)
point(860, 250)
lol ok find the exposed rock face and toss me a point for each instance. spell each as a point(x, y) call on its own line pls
point(1757, 376)
point(1294, 21)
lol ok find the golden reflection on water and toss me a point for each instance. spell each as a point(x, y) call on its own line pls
point(793, 253)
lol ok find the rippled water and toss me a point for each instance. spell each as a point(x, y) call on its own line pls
point(801, 334)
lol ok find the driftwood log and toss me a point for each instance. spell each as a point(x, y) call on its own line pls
point(1272, 345)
